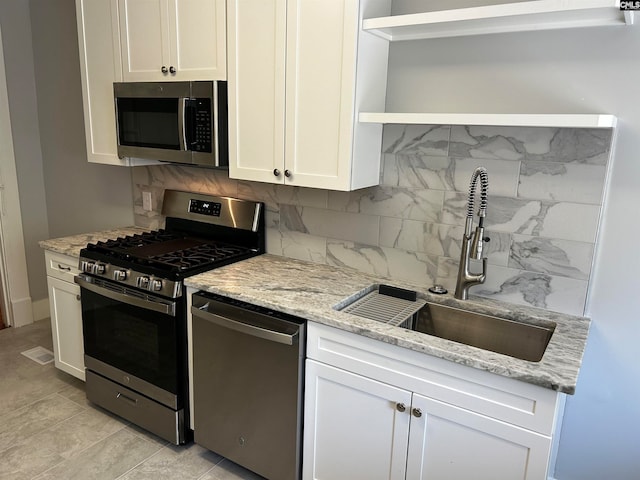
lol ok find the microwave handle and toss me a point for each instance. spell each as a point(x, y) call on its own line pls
point(182, 123)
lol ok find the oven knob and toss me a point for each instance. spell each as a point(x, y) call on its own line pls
point(142, 282)
point(120, 275)
point(100, 268)
point(156, 285)
point(87, 266)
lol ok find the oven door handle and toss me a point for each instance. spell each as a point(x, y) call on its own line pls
point(254, 330)
point(168, 308)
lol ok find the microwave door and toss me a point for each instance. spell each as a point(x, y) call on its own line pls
point(152, 128)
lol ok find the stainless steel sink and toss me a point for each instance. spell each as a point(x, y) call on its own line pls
point(508, 337)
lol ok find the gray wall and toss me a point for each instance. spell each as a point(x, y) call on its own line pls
point(60, 193)
point(81, 197)
point(593, 70)
point(21, 88)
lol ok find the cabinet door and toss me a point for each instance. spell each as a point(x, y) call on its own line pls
point(321, 68)
point(145, 43)
point(66, 326)
point(198, 36)
point(100, 66)
point(449, 442)
point(256, 43)
point(353, 428)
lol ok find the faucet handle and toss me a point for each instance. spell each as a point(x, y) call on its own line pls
point(483, 276)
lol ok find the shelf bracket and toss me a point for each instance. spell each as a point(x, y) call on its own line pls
point(629, 17)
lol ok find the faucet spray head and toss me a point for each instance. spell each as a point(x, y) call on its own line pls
point(477, 244)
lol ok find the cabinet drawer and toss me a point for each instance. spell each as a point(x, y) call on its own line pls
point(495, 396)
point(61, 266)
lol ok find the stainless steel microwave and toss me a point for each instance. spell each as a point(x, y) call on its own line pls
point(182, 122)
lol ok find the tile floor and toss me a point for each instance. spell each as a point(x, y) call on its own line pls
point(48, 430)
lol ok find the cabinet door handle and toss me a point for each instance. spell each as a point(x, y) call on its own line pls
point(66, 269)
point(78, 297)
point(276, 172)
point(172, 69)
point(287, 173)
point(401, 407)
point(416, 412)
point(164, 69)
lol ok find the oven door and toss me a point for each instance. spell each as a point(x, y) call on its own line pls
point(135, 339)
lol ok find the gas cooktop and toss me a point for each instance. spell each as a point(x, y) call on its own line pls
point(201, 232)
point(174, 253)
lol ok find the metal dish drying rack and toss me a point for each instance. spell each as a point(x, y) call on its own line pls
point(389, 305)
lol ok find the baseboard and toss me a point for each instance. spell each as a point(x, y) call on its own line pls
point(40, 309)
point(22, 311)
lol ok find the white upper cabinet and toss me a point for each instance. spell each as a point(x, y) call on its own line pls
point(100, 66)
point(299, 73)
point(257, 45)
point(173, 40)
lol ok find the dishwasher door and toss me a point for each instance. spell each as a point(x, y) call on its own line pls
point(248, 375)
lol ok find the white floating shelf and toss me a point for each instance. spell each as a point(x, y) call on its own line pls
point(510, 17)
point(497, 119)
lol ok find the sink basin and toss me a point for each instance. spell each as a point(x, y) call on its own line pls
point(508, 337)
point(402, 308)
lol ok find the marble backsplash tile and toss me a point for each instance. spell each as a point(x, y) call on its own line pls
point(546, 187)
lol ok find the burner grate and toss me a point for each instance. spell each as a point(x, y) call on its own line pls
point(138, 240)
point(199, 255)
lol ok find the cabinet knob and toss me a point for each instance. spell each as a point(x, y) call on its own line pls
point(78, 297)
point(164, 69)
point(276, 172)
point(287, 173)
point(416, 412)
point(172, 69)
point(401, 407)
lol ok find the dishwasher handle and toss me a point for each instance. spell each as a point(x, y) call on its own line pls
point(246, 328)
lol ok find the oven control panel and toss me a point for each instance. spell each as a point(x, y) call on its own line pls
point(205, 208)
point(128, 277)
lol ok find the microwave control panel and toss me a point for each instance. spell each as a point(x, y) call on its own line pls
point(203, 129)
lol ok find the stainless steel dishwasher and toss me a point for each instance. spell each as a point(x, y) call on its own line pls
point(248, 376)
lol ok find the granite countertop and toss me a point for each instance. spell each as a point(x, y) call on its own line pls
point(73, 244)
point(312, 291)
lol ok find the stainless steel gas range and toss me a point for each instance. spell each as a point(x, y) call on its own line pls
point(134, 307)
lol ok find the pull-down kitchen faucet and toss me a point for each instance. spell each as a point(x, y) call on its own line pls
point(473, 244)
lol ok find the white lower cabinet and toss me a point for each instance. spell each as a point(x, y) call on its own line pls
point(447, 442)
point(380, 421)
point(66, 314)
point(352, 427)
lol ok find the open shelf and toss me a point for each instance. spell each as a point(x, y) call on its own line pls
point(496, 119)
point(509, 17)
